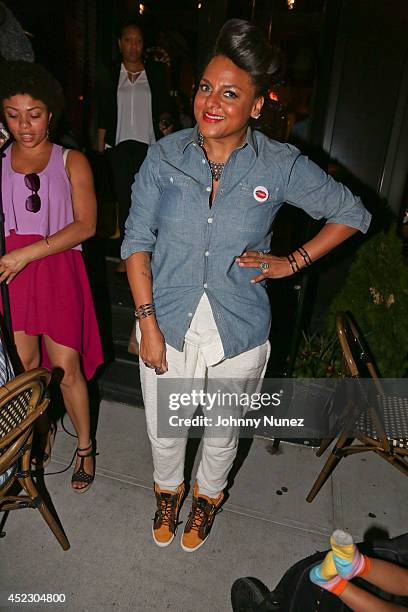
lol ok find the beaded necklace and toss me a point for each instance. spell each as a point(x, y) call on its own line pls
point(215, 167)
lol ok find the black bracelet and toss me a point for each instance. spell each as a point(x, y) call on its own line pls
point(305, 255)
point(293, 263)
point(144, 310)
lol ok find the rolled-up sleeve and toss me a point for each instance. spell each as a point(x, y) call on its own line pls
point(141, 225)
point(318, 194)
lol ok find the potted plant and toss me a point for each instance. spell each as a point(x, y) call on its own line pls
point(376, 293)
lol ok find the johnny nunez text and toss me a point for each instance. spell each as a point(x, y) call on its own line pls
point(231, 421)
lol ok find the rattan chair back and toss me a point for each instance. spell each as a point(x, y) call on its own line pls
point(360, 364)
point(22, 401)
point(379, 423)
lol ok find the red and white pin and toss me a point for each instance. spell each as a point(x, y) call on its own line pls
point(261, 193)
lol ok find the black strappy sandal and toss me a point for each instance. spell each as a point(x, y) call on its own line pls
point(80, 475)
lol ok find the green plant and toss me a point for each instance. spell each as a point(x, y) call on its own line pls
point(319, 356)
point(376, 293)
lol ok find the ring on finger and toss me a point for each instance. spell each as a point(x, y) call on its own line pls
point(263, 266)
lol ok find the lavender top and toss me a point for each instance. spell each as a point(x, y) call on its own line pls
point(55, 192)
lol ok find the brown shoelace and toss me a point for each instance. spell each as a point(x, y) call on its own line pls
point(199, 515)
point(166, 507)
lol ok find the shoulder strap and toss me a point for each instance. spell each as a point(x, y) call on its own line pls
point(64, 156)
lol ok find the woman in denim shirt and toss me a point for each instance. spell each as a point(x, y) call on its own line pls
point(203, 204)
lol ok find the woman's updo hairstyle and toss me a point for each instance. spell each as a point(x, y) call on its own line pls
point(245, 45)
point(34, 80)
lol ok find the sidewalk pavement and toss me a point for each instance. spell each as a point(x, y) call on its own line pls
point(265, 527)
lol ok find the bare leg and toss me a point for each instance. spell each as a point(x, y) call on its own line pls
point(28, 349)
point(388, 577)
point(75, 394)
point(361, 601)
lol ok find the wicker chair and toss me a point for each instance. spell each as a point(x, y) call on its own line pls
point(22, 401)
point(376, 420)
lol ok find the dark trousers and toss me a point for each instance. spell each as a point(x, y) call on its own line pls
point(126, 159)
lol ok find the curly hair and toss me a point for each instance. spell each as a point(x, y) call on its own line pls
point(21, 77)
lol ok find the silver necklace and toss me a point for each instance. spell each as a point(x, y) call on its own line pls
point(215, 167)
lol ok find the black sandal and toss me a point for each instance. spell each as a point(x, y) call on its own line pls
point(80, 475)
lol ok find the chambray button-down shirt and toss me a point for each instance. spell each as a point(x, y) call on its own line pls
point(194, 246)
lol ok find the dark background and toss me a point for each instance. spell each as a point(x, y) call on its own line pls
point(343, 84)
point(343, 61)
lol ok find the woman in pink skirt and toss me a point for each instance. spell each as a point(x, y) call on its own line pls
point(50, 209)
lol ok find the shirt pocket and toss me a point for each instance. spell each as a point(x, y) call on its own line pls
point(256, 214)
point(175, 193)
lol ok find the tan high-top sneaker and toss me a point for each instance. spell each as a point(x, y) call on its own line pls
point(200, 520)
point(166, 518)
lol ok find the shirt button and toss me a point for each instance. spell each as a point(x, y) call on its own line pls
point(207, 253)
point(203, 161)
point(205, 285)
point(208, 189)
point(190, 314)
point(209, 220)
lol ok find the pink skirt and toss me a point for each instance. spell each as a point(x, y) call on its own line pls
point(52, 296)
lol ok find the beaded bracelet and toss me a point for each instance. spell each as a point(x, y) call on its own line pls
point(293, 263)
point(305, 255)
point(145, 310)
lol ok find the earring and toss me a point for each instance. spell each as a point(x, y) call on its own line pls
point(257, 116)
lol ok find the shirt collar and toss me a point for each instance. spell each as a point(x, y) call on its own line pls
point(123, 69)
point(192, 139)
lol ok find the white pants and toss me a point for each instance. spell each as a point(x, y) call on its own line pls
point(196, 361)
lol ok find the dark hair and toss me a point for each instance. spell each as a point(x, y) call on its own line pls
point(245, 45)
point(130, 23)
point(34, 80)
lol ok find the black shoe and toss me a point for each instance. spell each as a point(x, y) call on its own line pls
point(80, 475)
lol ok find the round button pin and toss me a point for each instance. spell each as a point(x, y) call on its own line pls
point(261, 193)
